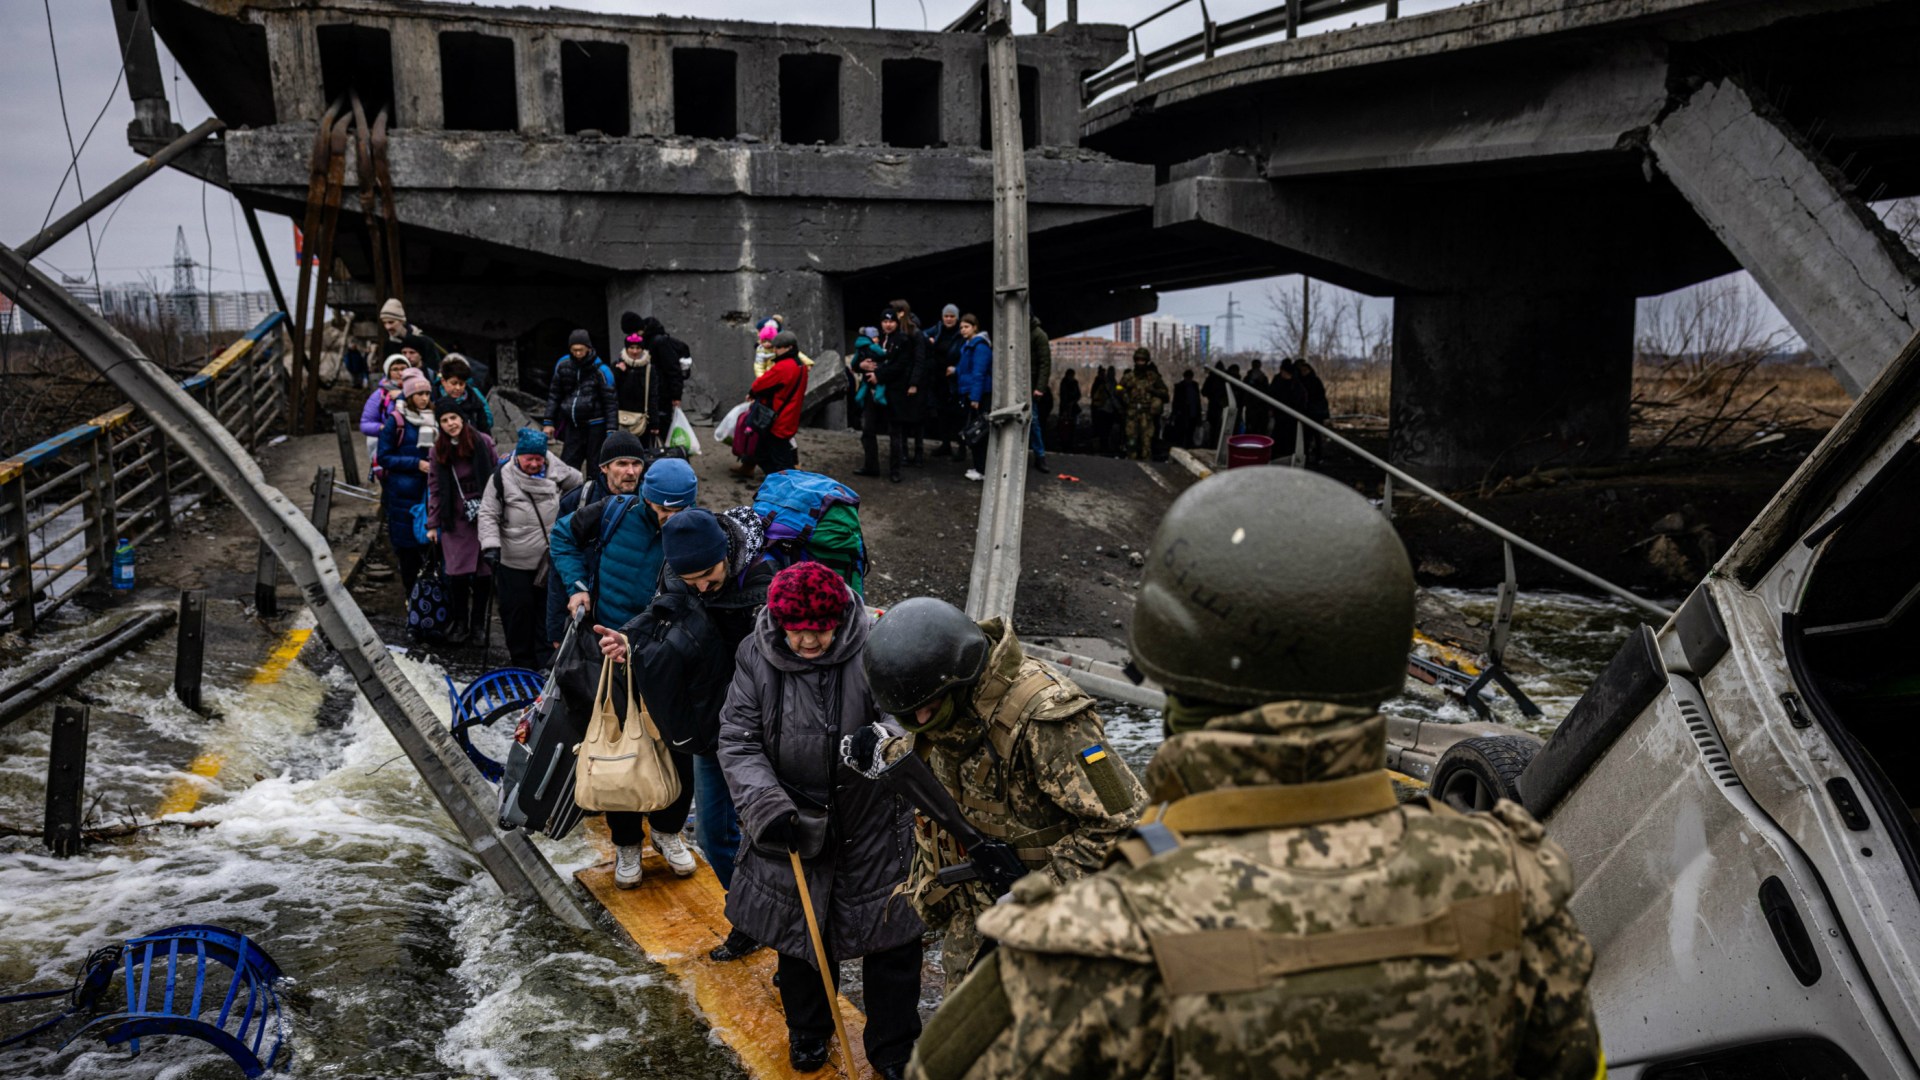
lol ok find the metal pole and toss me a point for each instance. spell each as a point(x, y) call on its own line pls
point(190, 647)
point(1306, 313)
point(996, 544)
point(266, 258)
point(66, 780)
point(520, 869)
point(129, 180)
point(266, 580)
point(322, 499)
point(1508, 535)
point(349, 455)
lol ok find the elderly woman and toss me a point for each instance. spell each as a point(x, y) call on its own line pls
point(798, 687)
point(517, 514)
point(463, 463)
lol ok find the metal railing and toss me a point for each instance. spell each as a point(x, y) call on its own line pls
point(1289, 17)
point(65, 502)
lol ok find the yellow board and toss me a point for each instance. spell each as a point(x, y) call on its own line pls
point(675, 920)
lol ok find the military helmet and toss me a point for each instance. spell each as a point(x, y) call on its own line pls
point(1271, 584)
point(1142, 353)
point(920, 649)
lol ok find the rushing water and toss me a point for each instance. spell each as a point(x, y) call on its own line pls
point(403, 959)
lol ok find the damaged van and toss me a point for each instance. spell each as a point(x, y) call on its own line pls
point(1736, 790)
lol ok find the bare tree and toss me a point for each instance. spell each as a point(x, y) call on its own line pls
point(1698, 352)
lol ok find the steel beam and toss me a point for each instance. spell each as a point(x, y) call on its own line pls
point(522, 872)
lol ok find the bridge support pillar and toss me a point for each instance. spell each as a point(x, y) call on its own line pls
point(716, 315)
point(1499, 383)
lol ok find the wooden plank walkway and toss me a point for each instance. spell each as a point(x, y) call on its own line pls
point(674, 921)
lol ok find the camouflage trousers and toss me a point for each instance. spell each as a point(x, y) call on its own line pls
point(1140, 428)
point(959, 945)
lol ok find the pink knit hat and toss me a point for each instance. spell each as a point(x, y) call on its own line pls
point(414, 383)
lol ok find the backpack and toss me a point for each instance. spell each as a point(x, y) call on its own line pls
point(813, 518)
point(427, 614)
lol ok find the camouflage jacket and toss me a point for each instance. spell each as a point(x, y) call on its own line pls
point(1284, 952)
point(1143, 391)
point(1029, 764)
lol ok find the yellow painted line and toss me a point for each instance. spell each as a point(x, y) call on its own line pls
point(185, 794)
point(225, 360)
point(282, 656)
point(675, 920)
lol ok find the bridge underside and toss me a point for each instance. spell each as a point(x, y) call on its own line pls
point(1516, 192)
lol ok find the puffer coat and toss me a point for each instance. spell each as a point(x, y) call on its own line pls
point(518, 511)
point(780, 732)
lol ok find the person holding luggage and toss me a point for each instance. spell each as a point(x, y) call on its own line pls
point(783, 390)
point(517, 513)
point(798, 690)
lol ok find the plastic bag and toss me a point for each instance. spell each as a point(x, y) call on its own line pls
point(724, 429)
point(680, 433)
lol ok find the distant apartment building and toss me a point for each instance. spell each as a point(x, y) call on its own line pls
point(1169, 338)
point(194, 311)
point(1089, 352)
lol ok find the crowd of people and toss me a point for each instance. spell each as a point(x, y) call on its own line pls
point(917, 770)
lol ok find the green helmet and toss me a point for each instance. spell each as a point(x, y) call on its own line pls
point(1275, 584)
point(920, 649)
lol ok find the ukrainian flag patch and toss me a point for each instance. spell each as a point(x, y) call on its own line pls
point(1093, 753)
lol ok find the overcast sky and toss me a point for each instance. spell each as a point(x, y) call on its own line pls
point(136, 239)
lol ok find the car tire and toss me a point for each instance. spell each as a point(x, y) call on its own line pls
point(1476, 773)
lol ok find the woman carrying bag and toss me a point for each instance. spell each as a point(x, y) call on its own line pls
point(406, 445)
point(463, 465)
point(517, 514)
point(798, 688)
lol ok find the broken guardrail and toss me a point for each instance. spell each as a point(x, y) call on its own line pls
point(65, 501)
point(522, 872)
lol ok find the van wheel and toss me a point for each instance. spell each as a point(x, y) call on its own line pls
point(1476, 773)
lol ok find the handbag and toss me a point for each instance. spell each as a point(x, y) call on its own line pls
point(427, 614)
point(469, 507)
point(974, 432)
point(757, 425)
point(622, 766)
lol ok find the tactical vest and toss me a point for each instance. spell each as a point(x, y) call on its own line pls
point(1328, 966)
point(981, 777)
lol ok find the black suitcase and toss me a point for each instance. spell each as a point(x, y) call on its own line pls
point(536, 789)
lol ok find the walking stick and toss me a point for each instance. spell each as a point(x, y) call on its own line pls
point(486, 621)
point(826, 973)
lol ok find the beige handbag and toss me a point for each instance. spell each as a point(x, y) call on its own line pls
point(622, 766)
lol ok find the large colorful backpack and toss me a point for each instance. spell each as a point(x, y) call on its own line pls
point(813, 518)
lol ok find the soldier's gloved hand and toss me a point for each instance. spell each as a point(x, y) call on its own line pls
point(861, 751)
point(996, 864)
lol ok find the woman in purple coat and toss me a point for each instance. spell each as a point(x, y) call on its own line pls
point(379, 403)
point(463, 464)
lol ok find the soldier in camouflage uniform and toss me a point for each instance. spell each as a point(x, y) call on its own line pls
point(1017, 745)
point(1143, 393)
point(1277, 913)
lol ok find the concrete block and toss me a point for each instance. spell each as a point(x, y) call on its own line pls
point(1845, 282)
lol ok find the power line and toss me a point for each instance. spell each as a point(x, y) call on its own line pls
point(60, 89)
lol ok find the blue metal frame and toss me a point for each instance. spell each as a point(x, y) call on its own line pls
point(486, 700)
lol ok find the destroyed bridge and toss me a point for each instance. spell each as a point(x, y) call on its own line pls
point(1514, 173)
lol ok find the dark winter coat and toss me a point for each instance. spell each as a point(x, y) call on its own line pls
point(975, 376)
point(582, 393)
point(943, 352)
point(450, 483)
point(905, 368)
point(620, 568)
point(402, 485)
point(594, 490)
point(1314, 392)
point(780, 732)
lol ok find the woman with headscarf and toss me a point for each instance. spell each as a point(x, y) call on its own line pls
point(406, 443)
point(463, 463)
point(798, 689)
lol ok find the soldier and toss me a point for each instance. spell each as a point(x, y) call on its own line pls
point(1015, 743)
point(1144, 394)
point(1277, 912)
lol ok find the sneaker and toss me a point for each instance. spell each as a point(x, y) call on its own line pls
point(975, 475)
point(737, 945)
point(626, 866)
point(674, 850)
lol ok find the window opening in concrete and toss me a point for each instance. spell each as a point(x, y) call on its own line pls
point(360, 59)
point(809, 99)
point(705, 100)
point(910, 102)
point(477, 86)
point(1029, 108)
point(593, 87)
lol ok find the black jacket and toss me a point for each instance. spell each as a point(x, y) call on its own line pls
point(904, 368)
point(580, 395)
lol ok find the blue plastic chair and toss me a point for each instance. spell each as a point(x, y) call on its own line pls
point(200, 952)
point(496, 694)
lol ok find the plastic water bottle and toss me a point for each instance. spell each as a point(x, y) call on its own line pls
point(123, 564)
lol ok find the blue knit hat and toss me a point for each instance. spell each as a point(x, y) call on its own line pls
point(531, 441)
point(693, 541)
point(670, 483)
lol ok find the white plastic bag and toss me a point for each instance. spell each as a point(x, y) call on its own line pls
point(681, 433)
point(724, 429)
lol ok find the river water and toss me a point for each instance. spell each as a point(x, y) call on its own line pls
point(402, 959)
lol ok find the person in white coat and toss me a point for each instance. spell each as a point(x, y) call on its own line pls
point(517, 513)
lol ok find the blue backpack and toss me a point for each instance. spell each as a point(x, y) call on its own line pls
point(813, 518)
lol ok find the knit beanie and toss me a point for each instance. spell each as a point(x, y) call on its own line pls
point(579, 337)
point(951, 309)
point(392, 310)
point(807, 596)
point(531, 441)
point(670, 483)
point(445, 405)
point(398, 358)
point(620, 444)
point(414, 383)
point(693, 541)
point(418, 343)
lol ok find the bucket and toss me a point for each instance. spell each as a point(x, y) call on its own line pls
point(1248, 450)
